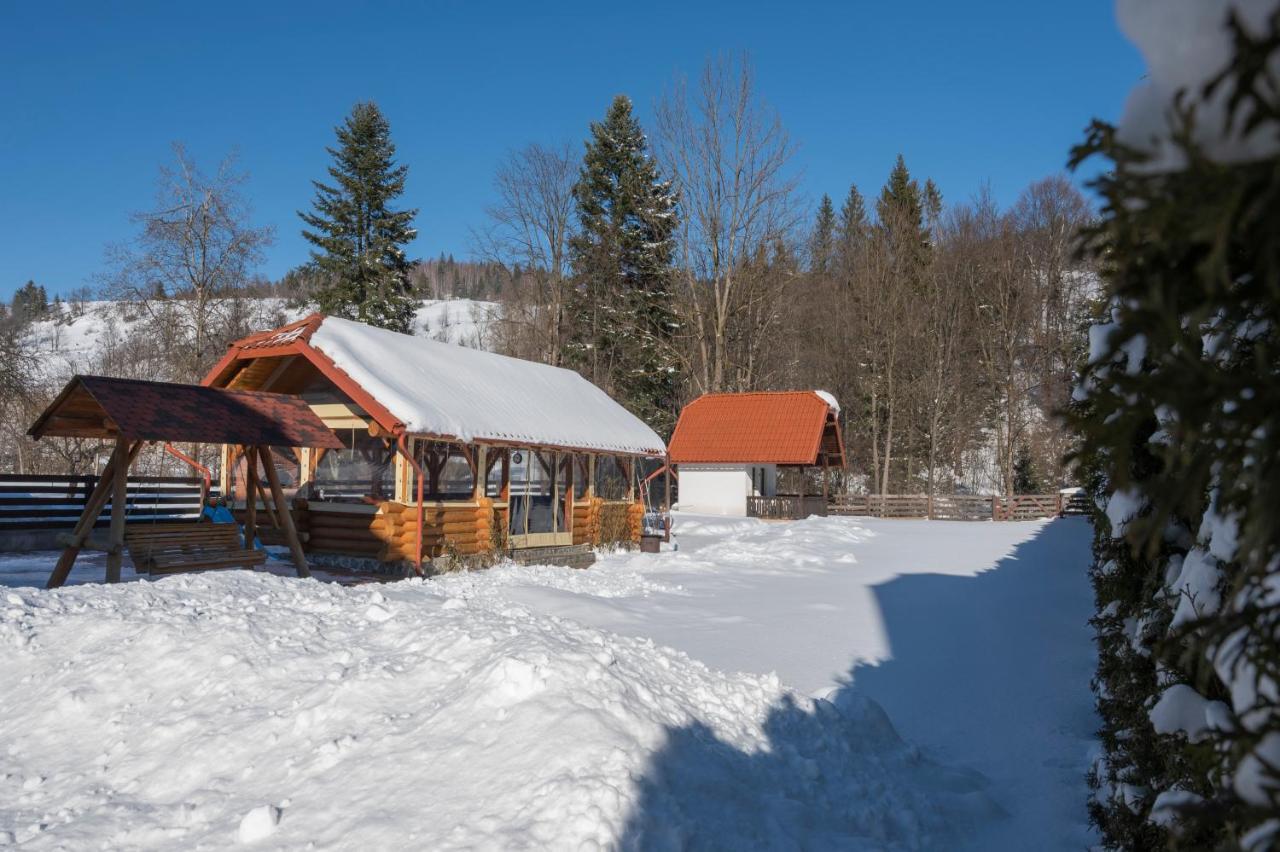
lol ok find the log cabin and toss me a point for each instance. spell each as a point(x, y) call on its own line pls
point(449, 456)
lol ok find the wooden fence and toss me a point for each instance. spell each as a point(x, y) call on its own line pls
point(788, 506)
point(951, 507)
point(29, 503)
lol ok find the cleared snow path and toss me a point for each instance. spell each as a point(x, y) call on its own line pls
point(972, 636)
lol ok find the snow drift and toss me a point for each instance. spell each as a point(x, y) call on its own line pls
point(221, 708)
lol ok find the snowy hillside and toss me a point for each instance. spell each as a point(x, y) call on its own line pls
point(73, 340)
point(539, 707)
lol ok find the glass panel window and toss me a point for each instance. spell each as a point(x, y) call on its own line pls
point(611, 478)
point(493, 482)
point(363, 471)
point(448, 471)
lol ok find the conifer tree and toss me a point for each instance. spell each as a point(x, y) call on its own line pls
point(621, 314)
point(1179, 408)
point(901, 211)
point(359, 237)
point(822, 242)
point(30, 301)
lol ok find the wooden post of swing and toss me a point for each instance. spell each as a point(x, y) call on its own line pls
point(286, 516)
point(250, 496)
point(666, 499)
point(119, 496)
point(88, 517)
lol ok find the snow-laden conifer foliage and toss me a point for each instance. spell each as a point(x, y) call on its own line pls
point(1180, 407)
point(621, 315)
point(359, 237)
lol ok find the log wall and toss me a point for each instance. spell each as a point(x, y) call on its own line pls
point(463, 528)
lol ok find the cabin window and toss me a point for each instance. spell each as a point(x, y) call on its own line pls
point(611, 478)
point(538, 493)
point(581, 469)
point(448, 470)
point(363, 471)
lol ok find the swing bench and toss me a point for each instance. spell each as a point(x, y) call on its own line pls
point(136, 413)
point(173, 548)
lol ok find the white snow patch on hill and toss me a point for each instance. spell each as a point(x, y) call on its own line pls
point(71, 342)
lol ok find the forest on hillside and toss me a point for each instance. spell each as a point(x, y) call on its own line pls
point(661, 262)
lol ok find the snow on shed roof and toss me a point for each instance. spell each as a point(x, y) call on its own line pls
point(441, 389)
point(764, 427)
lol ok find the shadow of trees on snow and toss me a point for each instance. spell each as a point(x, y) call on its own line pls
point(968, 653)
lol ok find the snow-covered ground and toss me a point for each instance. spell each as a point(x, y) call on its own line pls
point(727, 695)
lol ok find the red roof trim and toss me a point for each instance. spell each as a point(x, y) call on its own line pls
point(295, 339)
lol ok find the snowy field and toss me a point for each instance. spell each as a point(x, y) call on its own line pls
point(825, 684)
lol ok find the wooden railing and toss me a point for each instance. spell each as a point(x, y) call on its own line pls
point(55, 502)
point(786, 506)
point(950, 507)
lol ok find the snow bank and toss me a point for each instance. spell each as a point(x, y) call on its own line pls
point(236, 706)
point(439, 389)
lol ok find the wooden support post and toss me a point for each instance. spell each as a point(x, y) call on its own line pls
point(666, 498)
point(268, 506)
point(251, 496)
point(286, 516)
point(119, 496)
point(84, 526)
point(480, 478)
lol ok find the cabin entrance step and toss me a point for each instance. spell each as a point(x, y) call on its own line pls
point(568, 555)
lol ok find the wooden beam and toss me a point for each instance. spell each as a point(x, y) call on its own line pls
point(267, 506)
point(84, 526)
point(119, 495)
point(251, 497)
point(286, 516)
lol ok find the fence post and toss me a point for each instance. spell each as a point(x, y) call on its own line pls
point(995, 507)
point(1059, 504)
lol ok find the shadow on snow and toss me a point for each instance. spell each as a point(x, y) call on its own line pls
point(989, 675)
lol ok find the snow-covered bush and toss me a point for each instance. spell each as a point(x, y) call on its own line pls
point(1179, 404)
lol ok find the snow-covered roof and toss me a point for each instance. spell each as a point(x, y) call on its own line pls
point(453, 391)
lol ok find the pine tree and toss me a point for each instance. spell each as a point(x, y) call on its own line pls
point(1025, 478)
point(30, 302)
point(823, 240)
point(359, 237)
point(621, 314)
point(901, 208)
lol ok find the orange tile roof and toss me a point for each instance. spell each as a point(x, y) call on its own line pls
point(766, 427)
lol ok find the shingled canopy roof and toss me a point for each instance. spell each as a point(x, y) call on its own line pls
point(774, 427)
point(103, 407)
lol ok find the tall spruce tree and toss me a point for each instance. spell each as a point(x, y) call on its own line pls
point(822, 242)
point(621, 315)
point(359, 237)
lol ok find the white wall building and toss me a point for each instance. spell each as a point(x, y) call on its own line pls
point(728, 449)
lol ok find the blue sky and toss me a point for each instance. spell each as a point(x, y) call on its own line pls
point(92, 95)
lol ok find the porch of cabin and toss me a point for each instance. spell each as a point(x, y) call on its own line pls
point(357, 507)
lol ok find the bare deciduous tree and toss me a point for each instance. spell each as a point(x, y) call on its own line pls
point(528, 232)
point(195, 250)
point(729, 155)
